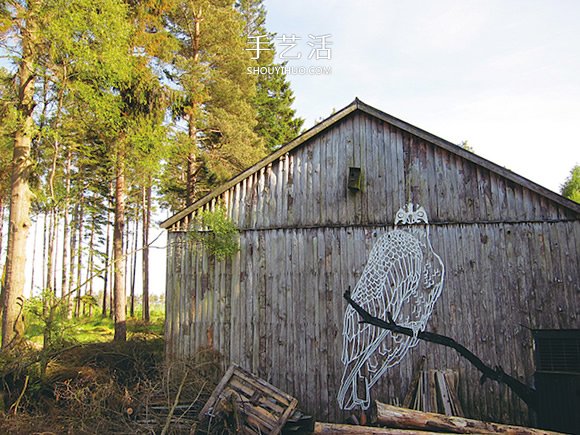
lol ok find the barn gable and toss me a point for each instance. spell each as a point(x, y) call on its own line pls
point(399, 163)
point(510, 249)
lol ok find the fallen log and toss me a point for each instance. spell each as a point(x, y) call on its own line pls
point(403, 418)
point(343, 429)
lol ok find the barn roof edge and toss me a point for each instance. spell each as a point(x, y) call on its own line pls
point(389, 119)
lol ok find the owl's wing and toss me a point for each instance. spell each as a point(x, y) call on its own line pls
point(392, 274)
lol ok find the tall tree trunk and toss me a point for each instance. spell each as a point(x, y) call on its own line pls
point(107, 264)
point(192, 163)
point(80, 254)
point(48, 291)
point(33, 271)
point(72, 261)
point(65, 281)
point(45, 237)
point(50, 249)
point(145, 252)
point(56, 243)
point(19, 223)
point(134, 262)
point(126, 250)
point(112, 280)
point(120, 291)
point(90, 267)
point(1, 240)
point(1, 227)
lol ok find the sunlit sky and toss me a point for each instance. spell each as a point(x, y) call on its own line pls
point(503, 75)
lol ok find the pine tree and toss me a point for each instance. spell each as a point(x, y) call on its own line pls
point(277, 121)
point(7, 125)
point(146, 102)
point(19, 223)
point(210, 69)
point(83, 35)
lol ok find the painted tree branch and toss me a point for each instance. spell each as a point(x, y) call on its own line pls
point(523, 391)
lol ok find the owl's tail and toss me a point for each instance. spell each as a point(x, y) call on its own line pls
point(354, 391)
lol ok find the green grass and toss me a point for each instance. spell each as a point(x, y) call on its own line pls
point(97, 329)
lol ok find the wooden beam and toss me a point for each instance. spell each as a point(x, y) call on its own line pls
point(403, 418)
point(338, 429)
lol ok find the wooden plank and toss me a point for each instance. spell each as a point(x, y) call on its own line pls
point(380, 154)
point(315, 197)
point(425, 392)
point(263, 310)
point(278, 167)
point(242, 204)
point(226, 320)
point(335, 310)
point(391, 182)
point(361, 147)
point(277, 269)
point(335, 186)
point(343, 164)
point(322, 170)
point(451, 378)
point(443, 394)
point(254, 306)
point(322, 325)
point(267, 183)
point(218, 389)
point(401, 172)
point(414, 382)
point(333, 428)
point(310, 349)
point(301, 368)
point(299, 187)
point(247, 295)
point(288, 327)
point(350, 161)
point(410, 419)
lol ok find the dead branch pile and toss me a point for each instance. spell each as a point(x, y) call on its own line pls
point(105, 388)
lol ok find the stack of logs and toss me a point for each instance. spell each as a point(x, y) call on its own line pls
point(407, 421)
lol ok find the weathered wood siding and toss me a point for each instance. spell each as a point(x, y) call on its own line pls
point(276, 307)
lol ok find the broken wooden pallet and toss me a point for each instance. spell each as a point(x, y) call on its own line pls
point(254, 405)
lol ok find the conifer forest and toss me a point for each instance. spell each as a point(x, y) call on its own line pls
point(110, 111)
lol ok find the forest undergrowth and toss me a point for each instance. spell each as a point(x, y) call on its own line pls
point(80, 387)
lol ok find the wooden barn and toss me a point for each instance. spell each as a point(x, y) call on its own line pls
point(308, 215)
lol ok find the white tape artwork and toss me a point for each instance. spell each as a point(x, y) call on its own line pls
point(403, 276)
